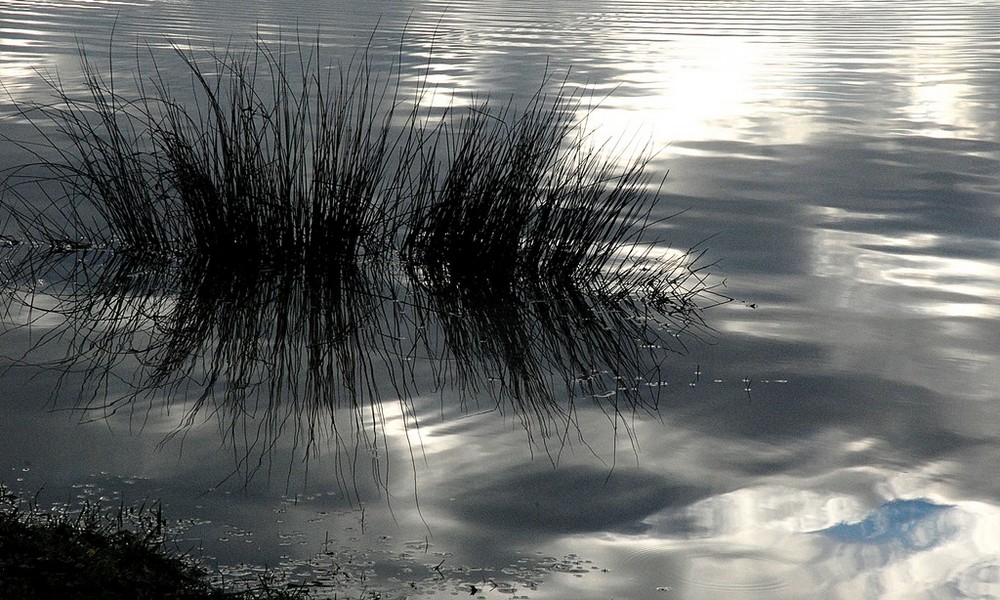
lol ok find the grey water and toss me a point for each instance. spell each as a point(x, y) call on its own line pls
point(834, 434)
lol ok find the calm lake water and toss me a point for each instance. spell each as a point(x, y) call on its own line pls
point(835, 435)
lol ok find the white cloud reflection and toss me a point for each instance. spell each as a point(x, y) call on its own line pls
point(764, 541)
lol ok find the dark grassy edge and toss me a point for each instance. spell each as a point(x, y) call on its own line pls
point(99, 553)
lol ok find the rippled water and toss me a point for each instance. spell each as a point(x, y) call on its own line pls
point(837, 435)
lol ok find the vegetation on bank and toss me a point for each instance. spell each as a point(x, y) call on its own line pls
point(94, 553)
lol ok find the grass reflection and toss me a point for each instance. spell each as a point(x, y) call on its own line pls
point(273, 355)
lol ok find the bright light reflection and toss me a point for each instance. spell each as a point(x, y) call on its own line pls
point(939, 91)
point(699, 89)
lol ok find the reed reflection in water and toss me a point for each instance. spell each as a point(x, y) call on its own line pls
point(271, 356)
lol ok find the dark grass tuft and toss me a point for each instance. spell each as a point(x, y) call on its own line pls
point(275, 162)
point(278, 170)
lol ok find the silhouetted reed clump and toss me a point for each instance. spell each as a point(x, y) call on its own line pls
point(274, 162)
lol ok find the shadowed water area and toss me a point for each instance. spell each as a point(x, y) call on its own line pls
point(389, 431)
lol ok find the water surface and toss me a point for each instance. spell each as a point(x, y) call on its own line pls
point(836, 436)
